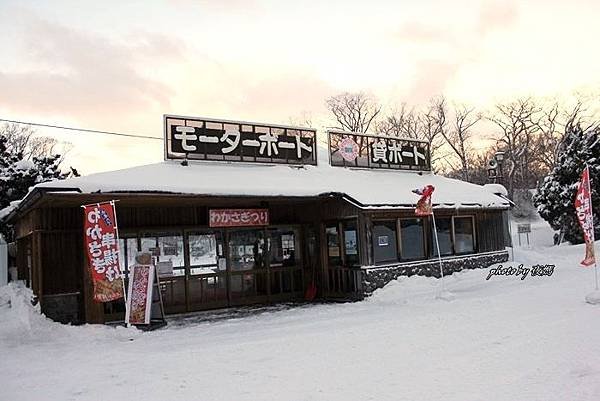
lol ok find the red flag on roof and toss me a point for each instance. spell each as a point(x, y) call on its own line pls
point(424, 204)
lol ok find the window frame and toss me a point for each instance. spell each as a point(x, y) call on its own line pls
point(423, 238)
point(474, 232)
point(372, 244)
point(343, 241)
point(431, 240)
point(339, 225)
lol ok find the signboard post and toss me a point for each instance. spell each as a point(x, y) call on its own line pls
point(144, 305)
point(523, 228)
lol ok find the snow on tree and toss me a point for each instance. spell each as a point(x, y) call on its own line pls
point(556, 195)
point(20, 171)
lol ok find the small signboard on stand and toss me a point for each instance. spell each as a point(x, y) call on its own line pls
point(145, 307)
point(524, 228)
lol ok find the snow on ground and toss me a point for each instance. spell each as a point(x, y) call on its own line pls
point(500, 339)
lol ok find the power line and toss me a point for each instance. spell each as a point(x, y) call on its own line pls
point(80, 129)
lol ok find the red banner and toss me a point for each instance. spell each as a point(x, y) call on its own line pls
point(101, 242)
point(583, 206)
point(238, 217)
point(424, 204)
point(140, 294)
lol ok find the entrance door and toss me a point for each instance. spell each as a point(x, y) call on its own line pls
point(168, 250)
point(207, 280)
point(286, 278)
point(248, 276)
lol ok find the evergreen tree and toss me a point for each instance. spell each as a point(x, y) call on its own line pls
point(18, 174)
point(556, 195)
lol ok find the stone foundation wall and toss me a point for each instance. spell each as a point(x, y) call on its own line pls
point(63, 308)
point(377, 277)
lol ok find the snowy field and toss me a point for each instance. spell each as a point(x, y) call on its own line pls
point(500, 339)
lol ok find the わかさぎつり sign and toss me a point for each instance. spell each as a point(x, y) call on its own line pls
point(238, 217)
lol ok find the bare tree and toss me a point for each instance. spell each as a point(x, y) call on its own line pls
point(304, 119)
point(22, 139)
point(517, 121)
point(423, 125)
point(354, 112)
point(458, 136)
point(17, 137)
point(549, 137)
point(402, 122)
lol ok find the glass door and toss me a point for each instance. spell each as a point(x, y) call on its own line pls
point(207, 282)
point(248, 279)
point(285, 263)
point(167, 251)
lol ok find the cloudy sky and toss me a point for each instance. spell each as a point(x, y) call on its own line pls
point(109, 66)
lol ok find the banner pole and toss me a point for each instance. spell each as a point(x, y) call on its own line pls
point(121, 268)
point(437, 245)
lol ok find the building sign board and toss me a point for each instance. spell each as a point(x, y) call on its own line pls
point(524, 228)
point(238, 217)
point(377, 151)
point(237, 141)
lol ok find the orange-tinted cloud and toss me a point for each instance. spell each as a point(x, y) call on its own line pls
point(85, 75)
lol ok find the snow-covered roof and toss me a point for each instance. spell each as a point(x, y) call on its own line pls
point(366, 188)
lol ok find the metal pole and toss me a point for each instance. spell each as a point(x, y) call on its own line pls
point(589, 189)
point(122, 268)
point(437, 245)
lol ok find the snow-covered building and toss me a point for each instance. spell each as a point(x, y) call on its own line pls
point(242, 213)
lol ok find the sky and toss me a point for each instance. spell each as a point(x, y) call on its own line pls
point(119, 66)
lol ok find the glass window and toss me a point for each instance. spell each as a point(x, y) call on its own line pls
point(246, 248)
point(122, 254)
point(384, 241)
point(350, 243)
point(333, 245)
point(464, 240)
point(206, 253)
point(132, 250)
point(444, 226)
point(412, 240)
point(167, 248)
point(283, 247)
point(127, 253)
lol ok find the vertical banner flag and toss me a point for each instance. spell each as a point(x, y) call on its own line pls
point(583, 206)
point(139, 295)
point(101, 242)
point(424, 204)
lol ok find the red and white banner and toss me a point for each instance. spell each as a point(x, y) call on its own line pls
point(238, 217)
point(139, 296)
point(583, 206)
point(424, 204)
point(101, 242)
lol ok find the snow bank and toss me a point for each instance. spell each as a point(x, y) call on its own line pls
point(22, 323)
point(502, 339)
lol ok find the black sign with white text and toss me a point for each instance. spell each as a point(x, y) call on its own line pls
point(349, 149)
point(207, 139)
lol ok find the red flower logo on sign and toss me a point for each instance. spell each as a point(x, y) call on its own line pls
point(348, 149)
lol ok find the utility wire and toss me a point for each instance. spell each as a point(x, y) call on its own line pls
point(81, 129)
